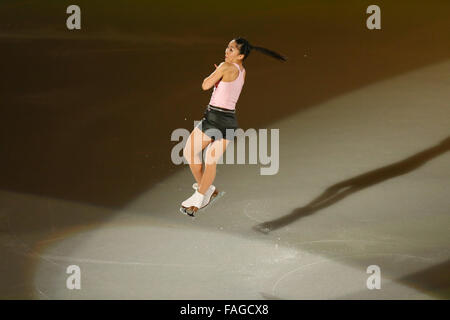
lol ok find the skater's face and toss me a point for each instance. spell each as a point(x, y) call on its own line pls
point(232, 52)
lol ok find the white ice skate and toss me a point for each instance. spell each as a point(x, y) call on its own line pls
point(192, 204)
point(210, 194)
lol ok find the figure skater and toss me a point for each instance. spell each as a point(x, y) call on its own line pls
point(227, 80)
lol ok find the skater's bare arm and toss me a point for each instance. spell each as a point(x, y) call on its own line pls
point(214, 77)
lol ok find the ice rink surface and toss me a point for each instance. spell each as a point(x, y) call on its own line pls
point(363, 180)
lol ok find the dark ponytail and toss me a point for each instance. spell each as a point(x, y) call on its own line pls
point(246, 48)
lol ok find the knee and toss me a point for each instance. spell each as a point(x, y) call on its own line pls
point(210, 159)
point(190, 155)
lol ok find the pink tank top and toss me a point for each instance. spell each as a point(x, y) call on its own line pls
point(226, 94)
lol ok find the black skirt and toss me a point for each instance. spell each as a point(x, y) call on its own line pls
point(220, 119)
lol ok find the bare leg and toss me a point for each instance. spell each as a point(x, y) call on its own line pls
point(196, 142)
point(213, 155)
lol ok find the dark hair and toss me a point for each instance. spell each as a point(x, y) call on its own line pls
point(245, 48)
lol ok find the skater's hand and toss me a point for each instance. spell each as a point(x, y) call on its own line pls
point(215, 77)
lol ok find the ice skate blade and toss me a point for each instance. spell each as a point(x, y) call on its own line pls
point(216, 197)
point(183, 211)
point(189, 211)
